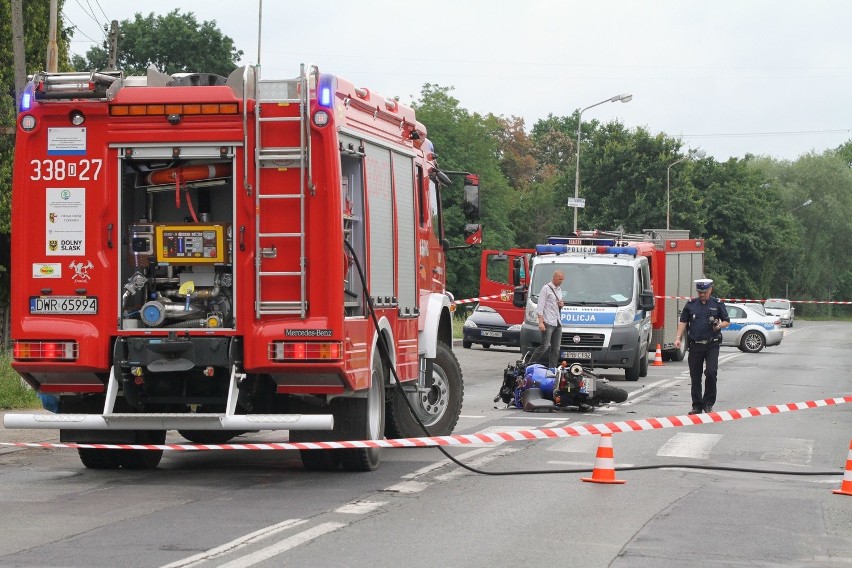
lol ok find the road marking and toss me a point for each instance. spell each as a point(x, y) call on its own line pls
point(439, 464)
point(284, 545)
point(459, 471)
point(688, 445)
point(360, 507)
point(406, 487)
point(235, 544)
point(650, 390)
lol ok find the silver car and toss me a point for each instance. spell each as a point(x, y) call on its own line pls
point(782, 309)
point(750, 331)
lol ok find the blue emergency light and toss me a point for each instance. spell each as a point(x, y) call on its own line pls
point(325, 90)
point(26, 99)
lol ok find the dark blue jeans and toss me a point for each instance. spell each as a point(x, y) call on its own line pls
point(703, 357)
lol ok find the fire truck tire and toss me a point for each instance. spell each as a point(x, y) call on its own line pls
point(438, 409)
point(143, 459)
point(314, 460)
point(362, 419)
point(99, 459)
point(320, 460)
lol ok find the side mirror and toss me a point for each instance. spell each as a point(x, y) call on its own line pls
point(519, 297)
point(473, 234)
point(471, 197)
point(646, 301)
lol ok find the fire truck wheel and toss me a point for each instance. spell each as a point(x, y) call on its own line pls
point(438, 408)
point(363, 419)
point(143, 459)
point(99, 459)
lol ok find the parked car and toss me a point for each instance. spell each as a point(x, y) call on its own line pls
point(781, 308)
point(750, 331)
point(487, 327)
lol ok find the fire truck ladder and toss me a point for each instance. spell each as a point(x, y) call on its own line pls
point(271, 93)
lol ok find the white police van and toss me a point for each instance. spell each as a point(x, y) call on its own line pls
point(606, 319)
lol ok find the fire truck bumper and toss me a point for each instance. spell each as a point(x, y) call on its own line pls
point(248, 422)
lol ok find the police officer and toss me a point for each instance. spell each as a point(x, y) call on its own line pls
point(705, 317)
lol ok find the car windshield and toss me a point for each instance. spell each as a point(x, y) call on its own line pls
point(588, 284)
point(777, 304)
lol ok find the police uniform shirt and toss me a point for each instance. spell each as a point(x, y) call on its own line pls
point(698, 315)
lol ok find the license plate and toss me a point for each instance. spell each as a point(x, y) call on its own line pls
point(492, 334)
point(60, 305)
point(584, 355)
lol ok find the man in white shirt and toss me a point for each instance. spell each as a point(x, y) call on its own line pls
point(549, 312)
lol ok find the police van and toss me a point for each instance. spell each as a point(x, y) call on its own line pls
point(608, 301)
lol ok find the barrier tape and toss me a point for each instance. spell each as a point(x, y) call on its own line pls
point(507, 296)
point(464, 439)
point(843, 303)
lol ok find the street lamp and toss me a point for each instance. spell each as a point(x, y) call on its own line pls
point(805, 204)
point(697, 154)
point(623, 97)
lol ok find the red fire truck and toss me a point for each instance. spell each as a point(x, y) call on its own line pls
point(189, 252)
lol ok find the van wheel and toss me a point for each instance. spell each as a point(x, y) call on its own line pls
point(632, 373)
point(643, 366)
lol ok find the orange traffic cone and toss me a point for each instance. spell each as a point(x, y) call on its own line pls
point(604, 471)
point(846, 485)
point(658, 357)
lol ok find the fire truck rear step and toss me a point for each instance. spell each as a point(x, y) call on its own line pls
point(167, 421)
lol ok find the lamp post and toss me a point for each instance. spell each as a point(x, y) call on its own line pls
point(805, 204)
point(697, 154)
point(623, 97)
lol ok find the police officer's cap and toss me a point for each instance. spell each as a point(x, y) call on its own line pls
point(703, 284)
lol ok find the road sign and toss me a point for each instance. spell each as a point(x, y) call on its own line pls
point(576, 202)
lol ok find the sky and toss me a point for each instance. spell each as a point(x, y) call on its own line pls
point(729, 77)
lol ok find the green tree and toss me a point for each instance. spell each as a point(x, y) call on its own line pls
point(174, 43)
point(466, 141)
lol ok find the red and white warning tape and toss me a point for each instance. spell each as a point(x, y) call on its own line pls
point(505, 296)
point(842, 303)
point(464, 439)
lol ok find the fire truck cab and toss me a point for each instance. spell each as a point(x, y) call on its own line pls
point(221, 255)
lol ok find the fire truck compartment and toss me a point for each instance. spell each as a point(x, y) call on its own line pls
point(176, 213)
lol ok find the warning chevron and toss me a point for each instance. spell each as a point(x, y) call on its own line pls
point(479, 438)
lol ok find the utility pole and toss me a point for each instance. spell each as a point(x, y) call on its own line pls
point(113, 46)
point(18, 51)
point(52, 61)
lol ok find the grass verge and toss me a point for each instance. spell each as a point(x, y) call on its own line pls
point(14, 393)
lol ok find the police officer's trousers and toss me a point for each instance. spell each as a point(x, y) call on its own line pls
point(703, 357)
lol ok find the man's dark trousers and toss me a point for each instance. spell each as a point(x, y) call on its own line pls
point(703, 357)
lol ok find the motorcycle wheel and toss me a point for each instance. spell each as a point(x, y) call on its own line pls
point(609, 393)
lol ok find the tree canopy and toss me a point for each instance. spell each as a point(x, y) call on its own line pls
point(174, 43)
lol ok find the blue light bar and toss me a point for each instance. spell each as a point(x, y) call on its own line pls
point(551, 249)
point(632, 251)
point(26, 99)
point(325, 91)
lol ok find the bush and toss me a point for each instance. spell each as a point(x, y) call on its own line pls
point(14, 393)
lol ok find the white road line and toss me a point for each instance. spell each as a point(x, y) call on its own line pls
point(585, 464)
point(284, 545)
point(360, 507)
point(646, 394)
point(407, 487)
point(235, 544)
point(459, 471)
point(439, 464)
point(689, 445)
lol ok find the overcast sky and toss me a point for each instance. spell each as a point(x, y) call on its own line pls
point(729, 76)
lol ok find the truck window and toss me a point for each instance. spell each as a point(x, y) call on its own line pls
point(497, 268)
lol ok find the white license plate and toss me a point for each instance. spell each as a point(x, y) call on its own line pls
point(492, 334)
point(577, 355)
point(50, 305)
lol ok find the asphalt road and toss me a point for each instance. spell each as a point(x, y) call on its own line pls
point(244, 508)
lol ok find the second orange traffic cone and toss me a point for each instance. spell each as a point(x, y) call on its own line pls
point(658, 357)
point(604, 471)
point(846, 484)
